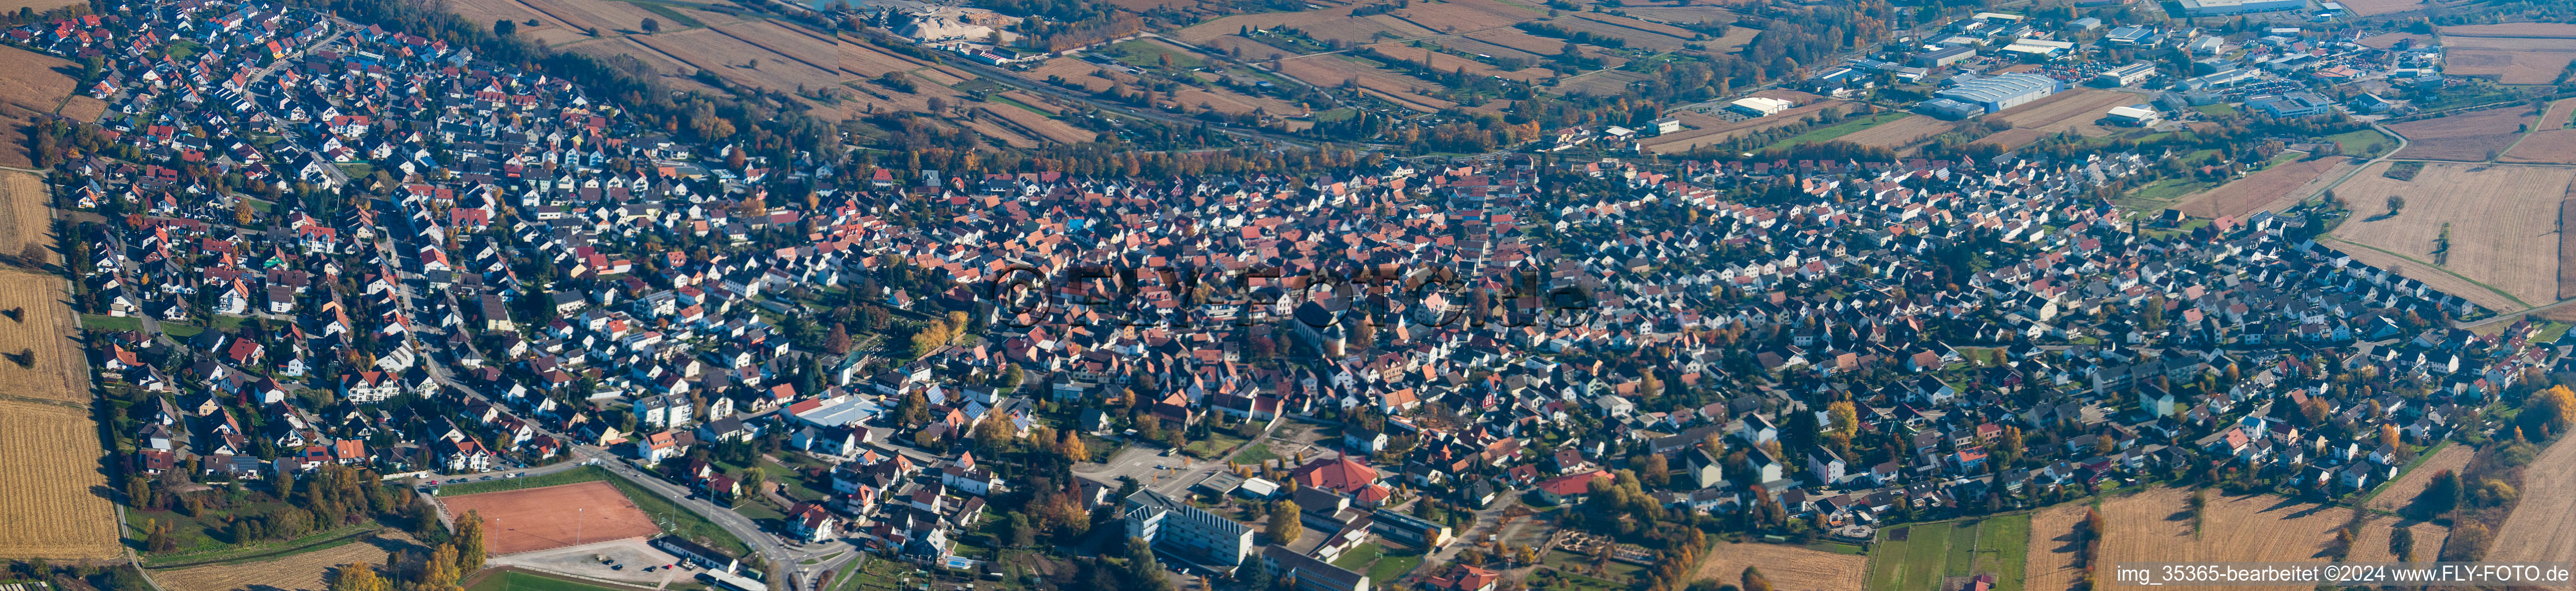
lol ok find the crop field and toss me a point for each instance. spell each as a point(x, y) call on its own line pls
point(1328, 70)
point(1039, 125)
point(1642, 25)
point(1900, 133)
point(308, 571)
point(2271, 189)
point(32, 85)
point(1515, 39)
point(26, 222)
point(866, 60)
point(1473, 45)
point(2390, 40)
point(728, 55)
point(2550, 141)
point(1447, 62)
point(1931, 551)
point(55, 504)
point(534, 519)
point(1249, 49)
point(2510, 60)
point(2504, 222)
point(1789, 568)
point(787, 42)
point(604, 16)
point(1463, 16)
point(2467, 137)
point(2155, 525)
point(2402, 492)
point(2543, 527)
point(2371, 7)
point(2556, 30)
point(548, 30)
point(1637, 39)
point(1600, 83)
point(2073, 110)
point(1322, 25)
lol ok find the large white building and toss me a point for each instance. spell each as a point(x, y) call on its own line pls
point(2219, 7)
point(1178, 528)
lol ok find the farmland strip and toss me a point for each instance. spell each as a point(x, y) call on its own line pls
point(773, 50)
point(1622, 25)
point(567, 24)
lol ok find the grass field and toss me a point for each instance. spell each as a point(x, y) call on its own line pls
point(2367, 143)
point(306, 571)
point(1931, 551)
point(1837, 130)
point(581, 474)
point(1147, 53)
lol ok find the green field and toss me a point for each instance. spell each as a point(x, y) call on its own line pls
point(1846, 127)
point(519, 581)
point(2216, 109)
point(576, 475)
point(111, 323)
point(1931, 551)
point(1147, 54)
point(2366, 143)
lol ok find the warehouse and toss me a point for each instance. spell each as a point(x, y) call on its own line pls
point(1759, 107)
point(1996, 93)
point(2222, 7)
point(1944, 57)
point(2135, 115)
point(2129, 75)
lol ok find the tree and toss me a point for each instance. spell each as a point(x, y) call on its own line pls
point(241, 212)
point(1284, 528)
point(839, 341)
point(1651, 469)
point(914, 410)
point(1143, 569)
point(357, 576)
point(504, 27)
point(439, 571)
point(1023, 534)
point(1753, 580)
point(469, 542)
point(652, 26)
point(2395, 203)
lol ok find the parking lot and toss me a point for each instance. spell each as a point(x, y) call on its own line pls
point(629, 557)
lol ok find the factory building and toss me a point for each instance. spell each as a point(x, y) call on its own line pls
point(1944, 57)
point(2129, 75)
point(1990, 94)
point(1178, 528)
point(1759, 107)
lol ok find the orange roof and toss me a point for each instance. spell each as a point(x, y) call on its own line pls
point(1339, 475)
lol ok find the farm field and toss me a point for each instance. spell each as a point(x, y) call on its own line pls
point(53, 507)
point(2367, 143)
point(32, 85)
point(2556, 30)
point(1331, 24)
point(729, 56)
point(2152, 526)
point(1636, 39)
point(1515, 39)
point(604, 16)
point(45, 363)
point(2432, 276)
point(866, 60)
point(1328, 70)
point(2402, 492)
point(548, 30)
point(1650, 27)
point(2271, 189)
point(2511, 60)
point(2470, 137)
point(1447, 62)
point(26, 222)
point(1037, 124)
point(2543, 527)
point(308, 571)
point(1930, 552)
point(533, 519)
point(1900, 133)
point(2371, 7)
point(1790, 568)
point(995, 129)
point(2073, 110)
point(788, 43)
point(673, 71)
point(1461, 16)
point(2504, 221)
point(2550, 141)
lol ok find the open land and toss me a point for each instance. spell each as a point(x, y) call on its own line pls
point(55, 504)
point(533, 519)
point(728, 55)
point(606, 17)
point(306, 571)
point(27, 229)
point(548, 30)
point(1332, 24)
point(1328, 70)
point(2073, 110)
point(2371, 7)
point(2543, 527)
point(1636, 38)
point(1900, 133)
point(2271, 189)
point(2402, 492)
point(2467, 137)
point(2504, 220)
point(2155, 526)
point(2511, 60)
point(1789, 568)
point(2550, 140)
point(32, 86)
point(1713, 130)
point(2390, 40)
point(2556, 30)
point(1445, 62)
point(1461, 16)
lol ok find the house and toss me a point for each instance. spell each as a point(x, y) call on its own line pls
point(811, 523)
point(653, 448)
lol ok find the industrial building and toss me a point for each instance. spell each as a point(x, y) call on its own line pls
point(2129, 75)
point(2225, 7)
point(1994, 93)
point(1177, 528)
point(1754, 106)
point(2296, 104)
point(2139, 115)
point(1944, 57)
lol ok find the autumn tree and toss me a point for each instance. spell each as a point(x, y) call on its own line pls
point(652, 26)
point(1284, 528)
point(469, 542)
point(358, 576)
